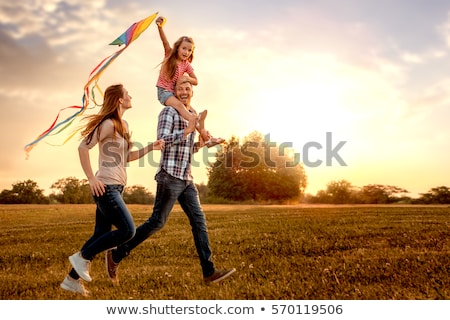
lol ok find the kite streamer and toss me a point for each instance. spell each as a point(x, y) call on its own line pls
point(131, 34)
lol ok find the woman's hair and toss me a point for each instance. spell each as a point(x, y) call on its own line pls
point(109, 110)
point(169, 64)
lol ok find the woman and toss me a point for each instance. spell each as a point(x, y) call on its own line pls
point(110, 132)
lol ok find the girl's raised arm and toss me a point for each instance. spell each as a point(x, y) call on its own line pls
point(160, 22)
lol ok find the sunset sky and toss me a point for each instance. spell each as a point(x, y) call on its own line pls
point(375, 74)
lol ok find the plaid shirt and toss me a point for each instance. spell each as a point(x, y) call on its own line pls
point(177, 153)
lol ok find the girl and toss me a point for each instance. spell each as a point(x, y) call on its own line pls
point(177, 67)
point(110, 132)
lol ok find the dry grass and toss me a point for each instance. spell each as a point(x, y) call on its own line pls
point(280, 252)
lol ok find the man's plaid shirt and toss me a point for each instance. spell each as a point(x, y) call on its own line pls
point(177, 153)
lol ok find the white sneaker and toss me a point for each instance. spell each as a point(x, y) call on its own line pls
point(70, 284)
point(81, 266)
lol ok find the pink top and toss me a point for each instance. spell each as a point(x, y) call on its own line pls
point(169, 84)
point(113, 154)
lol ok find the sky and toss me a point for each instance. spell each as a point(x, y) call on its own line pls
point(360, 89)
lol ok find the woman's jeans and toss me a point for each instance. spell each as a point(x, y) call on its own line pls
point(169, 190)
point(111, 211)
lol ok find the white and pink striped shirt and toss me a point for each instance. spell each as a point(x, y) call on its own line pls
point(169, 84)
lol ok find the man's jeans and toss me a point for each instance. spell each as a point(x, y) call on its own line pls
point(169, 190)
point(111, 210)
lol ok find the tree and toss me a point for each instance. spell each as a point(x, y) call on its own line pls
point(321, 197)
point(256, 170)
point(24, 192)
point(224, 179)
point(202, 191)
point(339, 192)
point(439, 195)
point(378, 194)
point(72, 190)
point(138, 195)
point(8, 197)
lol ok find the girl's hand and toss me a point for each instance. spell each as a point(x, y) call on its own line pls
point(185, 77)
point(158, 144)
point(97, 187)
point(160, 21)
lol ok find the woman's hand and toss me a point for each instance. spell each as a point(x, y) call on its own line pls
point(97, 187)
point(158, 144)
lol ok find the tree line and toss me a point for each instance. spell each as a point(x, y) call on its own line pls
point(343, 192)
point(254, 170)
point(73, 191)
point(67, 191)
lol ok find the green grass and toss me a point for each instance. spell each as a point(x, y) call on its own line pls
point(280, 252)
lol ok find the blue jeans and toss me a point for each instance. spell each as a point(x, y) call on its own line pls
point(163, 95)
point(111, 211)
point(168, 190)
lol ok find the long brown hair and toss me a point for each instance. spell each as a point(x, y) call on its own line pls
point(169, 65)
point(109, 110)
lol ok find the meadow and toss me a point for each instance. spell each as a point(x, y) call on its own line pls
point(280, 253)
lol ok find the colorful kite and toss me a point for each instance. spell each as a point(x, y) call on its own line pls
point(132, 33)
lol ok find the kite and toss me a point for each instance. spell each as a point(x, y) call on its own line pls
point(126, 38)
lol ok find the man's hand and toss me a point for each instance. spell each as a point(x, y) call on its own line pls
point(183, 79)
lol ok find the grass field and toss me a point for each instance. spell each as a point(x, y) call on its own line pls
point(280, 252)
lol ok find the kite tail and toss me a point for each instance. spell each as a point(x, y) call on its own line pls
point(62, 125)
point(53, 127)
point(131, 34)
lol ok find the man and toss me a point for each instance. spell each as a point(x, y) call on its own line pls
point(174, 182)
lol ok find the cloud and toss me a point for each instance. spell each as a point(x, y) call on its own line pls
point(365, 69)
point(23, 66)
point(443, 29)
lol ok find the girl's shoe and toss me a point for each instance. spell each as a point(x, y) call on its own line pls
point(214, 142)
point(201, 120)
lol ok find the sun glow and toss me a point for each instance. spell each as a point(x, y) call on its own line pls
point(309, 107)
